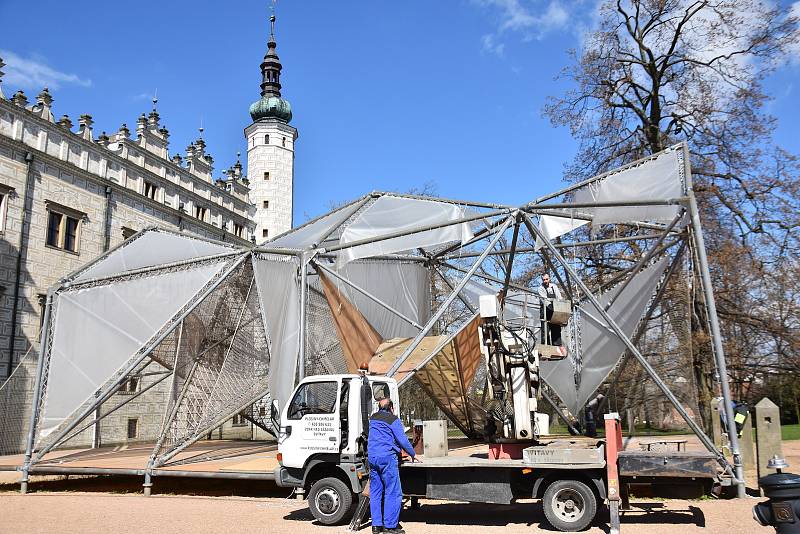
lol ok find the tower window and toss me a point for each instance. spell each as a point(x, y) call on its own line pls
point(266, 204)
point(238, 230)
point(284, 141)
point(265, 233)
point(266, 175)
point(266, 139)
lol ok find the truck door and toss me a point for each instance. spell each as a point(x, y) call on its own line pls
point(312, 422)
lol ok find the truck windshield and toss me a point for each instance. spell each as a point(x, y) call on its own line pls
point(313, 398)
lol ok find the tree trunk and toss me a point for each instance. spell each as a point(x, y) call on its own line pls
point(702, 360)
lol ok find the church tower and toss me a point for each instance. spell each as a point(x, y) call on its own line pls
point(270, 150)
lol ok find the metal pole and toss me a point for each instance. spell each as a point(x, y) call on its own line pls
point(301, 357)
point(417, 230)
point(609, 204)
point(367, 294)
point(716, 336)
point(44, 355)
point(632, 348)
point(510, 263)
point(432, 321)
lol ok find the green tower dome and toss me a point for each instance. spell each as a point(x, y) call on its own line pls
point(271, 107)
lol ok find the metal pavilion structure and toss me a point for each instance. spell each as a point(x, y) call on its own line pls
point(224, 329)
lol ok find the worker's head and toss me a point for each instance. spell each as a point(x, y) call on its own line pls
point(545, 279)
point(386, 405)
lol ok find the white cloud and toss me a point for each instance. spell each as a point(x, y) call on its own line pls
point(528, 19)
point(34, 73)
point(489, 45)
point(533, 18)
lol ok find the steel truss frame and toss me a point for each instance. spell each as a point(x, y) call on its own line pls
point(496, 221)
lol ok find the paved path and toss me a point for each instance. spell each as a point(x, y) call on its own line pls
point(87, 513)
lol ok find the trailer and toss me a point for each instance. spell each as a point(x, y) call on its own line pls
point(322, 455)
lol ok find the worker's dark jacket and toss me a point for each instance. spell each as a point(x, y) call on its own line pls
point(386, 436)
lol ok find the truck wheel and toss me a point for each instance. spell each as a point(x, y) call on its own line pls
point(569, 505)
point(329, 500)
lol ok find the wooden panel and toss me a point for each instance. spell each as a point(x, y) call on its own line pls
point(359, 340)
point(468, 349)
point(388, 352)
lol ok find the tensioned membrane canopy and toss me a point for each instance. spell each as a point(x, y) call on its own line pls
point(153, 248)
point(98, 329)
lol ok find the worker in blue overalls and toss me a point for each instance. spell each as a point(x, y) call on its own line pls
point(386, 438)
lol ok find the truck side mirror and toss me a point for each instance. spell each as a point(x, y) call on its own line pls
point(275, 415)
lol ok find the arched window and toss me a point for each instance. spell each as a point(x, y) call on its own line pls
point(284, 141)
point(266, 139)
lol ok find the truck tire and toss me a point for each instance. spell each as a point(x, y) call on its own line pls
point(330, 500)
point(569, 505)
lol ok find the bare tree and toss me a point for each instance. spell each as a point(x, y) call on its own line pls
point(655, 72)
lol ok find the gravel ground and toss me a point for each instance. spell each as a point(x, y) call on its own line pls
point(88, 505)
point(86, 513)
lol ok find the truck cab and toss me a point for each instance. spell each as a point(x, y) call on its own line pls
point(322, 438)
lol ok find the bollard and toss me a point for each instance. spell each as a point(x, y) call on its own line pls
point(768, 434)
point(782, 510)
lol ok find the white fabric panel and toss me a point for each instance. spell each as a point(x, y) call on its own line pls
point(279, 290)
point(310, 234)
point(390, 214)
point(657, 179)
point(602, 349)
point(553, 227)
point(154, 247)
point(97, 330)
point(405, 286)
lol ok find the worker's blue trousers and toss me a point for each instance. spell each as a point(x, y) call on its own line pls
point(385, 493)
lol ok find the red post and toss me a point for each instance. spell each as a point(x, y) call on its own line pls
point(613, 447)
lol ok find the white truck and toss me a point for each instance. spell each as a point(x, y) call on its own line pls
point(323, 437)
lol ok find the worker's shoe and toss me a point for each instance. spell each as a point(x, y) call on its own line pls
point(396, 530)
point(377, 530)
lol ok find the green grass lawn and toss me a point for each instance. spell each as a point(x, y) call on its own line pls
point(790, 432)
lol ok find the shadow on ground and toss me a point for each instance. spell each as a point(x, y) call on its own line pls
point(161, 485)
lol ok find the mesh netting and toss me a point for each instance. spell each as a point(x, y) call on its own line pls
point(16, 397)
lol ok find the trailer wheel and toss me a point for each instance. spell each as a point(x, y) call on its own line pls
point(329, 500)
point(569, 505)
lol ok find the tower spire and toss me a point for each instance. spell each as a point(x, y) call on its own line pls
point(271, 105)
point(271, 66)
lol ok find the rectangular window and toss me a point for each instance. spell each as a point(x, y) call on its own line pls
point(264, 233)
point(313, 398)
point(266, 204)
point(266, 175)
point(238, 230)
point(130, 387)
point(4, 194)
point(133, 428)
point(150, 190)
point(200, 212)
point(63, 229)
point(42, 299)
point(239, 420)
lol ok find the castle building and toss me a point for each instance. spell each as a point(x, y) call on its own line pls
point(270, 150)
point(67, 195)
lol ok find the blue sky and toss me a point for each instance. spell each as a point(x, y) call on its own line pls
point(387, 95)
